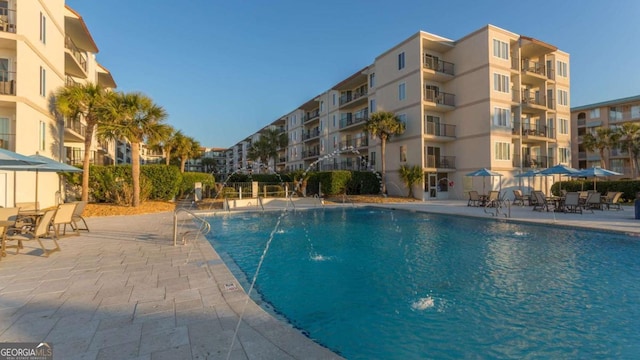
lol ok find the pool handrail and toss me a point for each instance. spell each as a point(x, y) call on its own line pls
point(203, 229)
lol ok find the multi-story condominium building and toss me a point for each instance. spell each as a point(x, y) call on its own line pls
point(492, 99)
point(609, 114)
point(43, 46)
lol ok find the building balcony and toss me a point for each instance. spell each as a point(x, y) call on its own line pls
point(351, 119)
point(7, 83)
point(356, 143)
point(531, 161)
point(438, 100)
point(440, 162)
point(75, 62)
point(312, 115)
point(437, 70)
point(536, 102)
point(311, 153)
point(8, 141)
point(7, 20)
point(74, 130)
point(354, 98)
point(446, 131)
point(311, 134)
point(533, 130)
point(348, 164)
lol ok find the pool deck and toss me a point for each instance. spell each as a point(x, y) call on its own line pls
point(124, 291)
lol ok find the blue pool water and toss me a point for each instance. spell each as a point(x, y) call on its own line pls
point(384, 284)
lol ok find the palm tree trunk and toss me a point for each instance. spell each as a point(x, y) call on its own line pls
point(135, 173)
point(86, 161)
point(602, 163)
point(168, 158)
point(183, 162)
point(383, 149)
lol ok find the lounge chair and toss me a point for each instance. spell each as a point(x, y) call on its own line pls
point(611, 200)
point(593, 201)
point(541, 202)
point(492, 199)
point(474, 198)
point(8, 215)
point(519, 198)
point(64, 217)
point(77, 216)
point(40, 231)
point(572, 203)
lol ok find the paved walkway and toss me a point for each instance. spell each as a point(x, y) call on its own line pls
point(123, 291)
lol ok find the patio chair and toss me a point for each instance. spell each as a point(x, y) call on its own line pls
point(8, 216)
point(519, 198)
point(474, 198)
point(77, 216)
point(492, 199)
point(593, 201)
point(572, 203)
point(41, 230)
point(64, 217)
point(612, 199)
point(541, 202)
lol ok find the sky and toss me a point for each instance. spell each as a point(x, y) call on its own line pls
point(225, 69)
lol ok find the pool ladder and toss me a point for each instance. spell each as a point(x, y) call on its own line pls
point(203, 229)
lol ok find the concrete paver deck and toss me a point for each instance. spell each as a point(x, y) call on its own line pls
point(123, 291)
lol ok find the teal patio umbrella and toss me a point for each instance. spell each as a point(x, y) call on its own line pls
point(39, 163)
point(595, 172)
point(484, 173)
point(559, 170)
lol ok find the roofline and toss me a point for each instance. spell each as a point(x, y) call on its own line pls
point(84, 25)
point(606, 103)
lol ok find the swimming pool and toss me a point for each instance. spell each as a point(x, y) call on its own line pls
point(373, 283)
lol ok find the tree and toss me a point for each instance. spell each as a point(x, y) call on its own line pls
point(82, 101)
point(604, 139)
point(411, 175)
point(185, 148)
point(629, 139)
point(384, 125)
point(267, 146)
point(163, 142)
point(136, 118)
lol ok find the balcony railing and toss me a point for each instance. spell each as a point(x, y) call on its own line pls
point(313, 133)
point(531, 161)
point(534, 130)
point(7, 141)
point(77, 53)
point(76, 126)
point(311, 115)
point(69, 81)
point(349, 119)
point(438, 65)
point(349, 97)
point(7, 20)
point(7, 82)
point(439, 97)
point(440, 162)
point(582, 122)
point(311, 152)
point(355, 143)
point(440, 129)
point(534, 67)
point(349, 164)
point(529, 97)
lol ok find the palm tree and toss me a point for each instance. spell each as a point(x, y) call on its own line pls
point(384, 125)
point(163, 142)
point(629, 139)
point(185, 148)
point(604, 139)
point(411, 175)
point(82, 101)
point(136, 118)
point(266, 148)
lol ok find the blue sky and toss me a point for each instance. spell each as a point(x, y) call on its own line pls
point(225, 69)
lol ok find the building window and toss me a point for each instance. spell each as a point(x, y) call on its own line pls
point(335, 142)
point(502, 151)
point(5, 133)
point(43, 81)
point(635, 111)
point(372, 80)
point(372, 105)
point(43, 28)
point(500, 49)
point(501, 117)
point(334, 121)
point(594, 113)
point(501, 83)
point(563, 155)
point(562, 68)
point(615, 113)
point(334, 99)
point(563, 126)
point(401, 61)
point(563, 97)
point(321, 106)
point(402, 91)
point(372, 156)
point(42, 138)
point(403, 153)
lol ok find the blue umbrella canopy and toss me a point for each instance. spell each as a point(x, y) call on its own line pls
point(559, 170)
point(595, 172)
point(529, 173)
point(11, 158)
point(484, 172)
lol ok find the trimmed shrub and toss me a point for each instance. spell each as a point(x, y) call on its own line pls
point(165, 181)
point(273, 191)
point(364, 183)
point(330, 182)
point(629, 188)
point(189, 179)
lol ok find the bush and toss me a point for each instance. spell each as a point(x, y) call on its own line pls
point(273, 191)
point(165, 181)
point(329, 182)
point(364, 183)
point(189, 179)
point(629, 188)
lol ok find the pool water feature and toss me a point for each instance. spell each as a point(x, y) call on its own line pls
point(373, 283)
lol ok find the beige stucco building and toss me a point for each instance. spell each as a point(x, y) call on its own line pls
point(608, 114)
point(43, 46)
point(492, 99)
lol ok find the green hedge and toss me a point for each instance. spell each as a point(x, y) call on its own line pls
point(332, 182)
point(629, 188)
point(189, 179)
point(364, 183)
point(165, 181)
